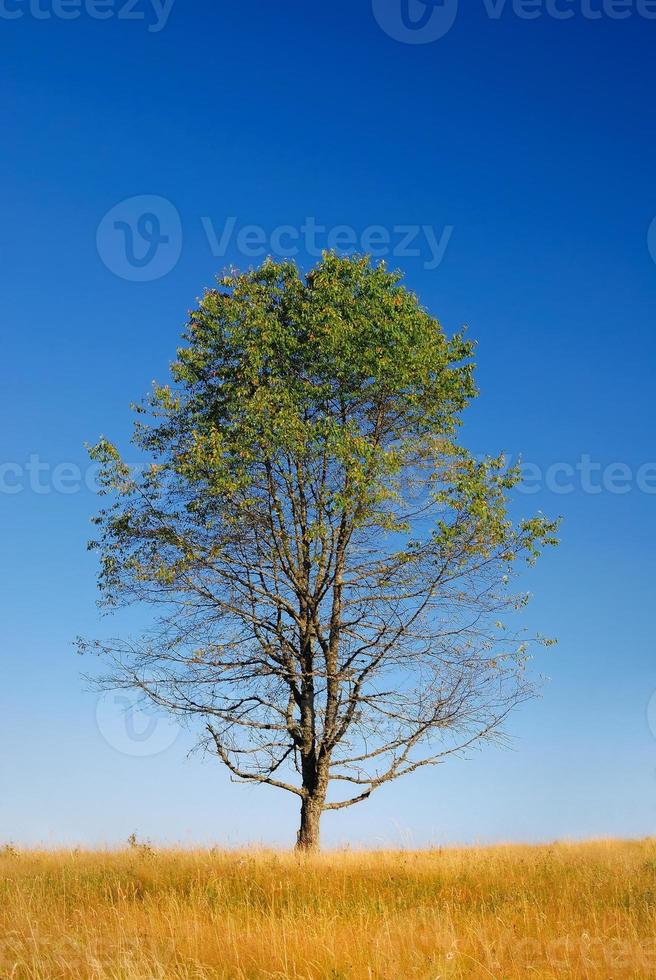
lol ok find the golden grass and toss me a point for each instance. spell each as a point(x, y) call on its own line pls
point(585, 910)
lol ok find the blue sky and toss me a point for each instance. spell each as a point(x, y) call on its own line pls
point(525, 147)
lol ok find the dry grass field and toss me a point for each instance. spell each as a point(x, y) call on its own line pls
point(577, 911)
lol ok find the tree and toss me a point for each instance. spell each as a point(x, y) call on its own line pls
point(329, 564)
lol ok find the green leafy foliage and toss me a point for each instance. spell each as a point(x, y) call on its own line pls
point(317, 529)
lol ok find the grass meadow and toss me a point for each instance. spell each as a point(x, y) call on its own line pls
point(567, 910)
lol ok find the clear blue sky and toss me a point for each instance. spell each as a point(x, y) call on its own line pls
point(530, 145)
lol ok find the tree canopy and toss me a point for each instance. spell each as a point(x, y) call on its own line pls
point(328, 562)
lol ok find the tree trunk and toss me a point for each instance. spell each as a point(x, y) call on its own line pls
point(308, 834)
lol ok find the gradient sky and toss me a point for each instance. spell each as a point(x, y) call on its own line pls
point(528, 147)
